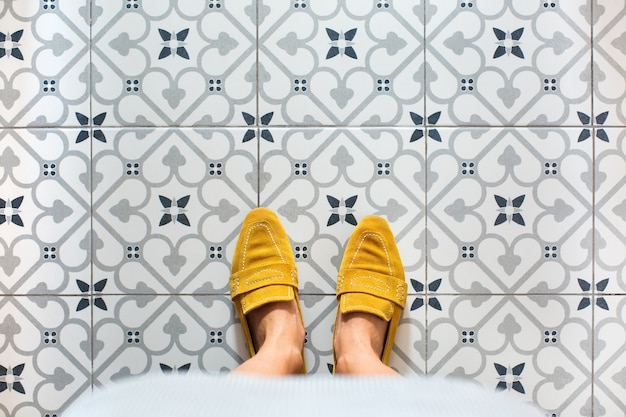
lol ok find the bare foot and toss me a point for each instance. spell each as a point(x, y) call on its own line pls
point(358, 344)
point(278, 337)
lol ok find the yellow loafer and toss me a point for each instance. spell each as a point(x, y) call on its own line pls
point(263, 268)
point(371, 277)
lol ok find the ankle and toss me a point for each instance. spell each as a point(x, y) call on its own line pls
point(360, 332)
point(277, 324)
point(356, 362)
point(281, 358)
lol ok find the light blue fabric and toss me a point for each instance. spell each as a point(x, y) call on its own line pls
point(206, 395)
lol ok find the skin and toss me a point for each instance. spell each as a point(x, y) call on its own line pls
point(278, 337)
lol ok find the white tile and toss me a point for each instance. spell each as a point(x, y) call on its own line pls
point(503, 64)
point(610, 356)
point(46, 353)
point(45, 228)
point(410, 347)
point(345, 64)
point(318, 313)
point(509, 210)
point(143, 334)
point(321, 182)
point(168, 205)
point(537, 348)
point(189, 65)
point(610, 210)
point(609, 55)
point(44, 54)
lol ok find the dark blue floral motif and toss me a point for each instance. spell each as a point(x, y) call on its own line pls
point(508, 43)
point(341, 43)
point(49, 4)
point(341, 208)
point(14, 49)
point(168, 48)
point(174, 213)
point(586, 120)
point(514, 205)
point(15, 373)
point(503, 373)
point(11, 213)
point(97, 301)
point(97, 133)
point(166, 369)
point(251, 133)
point(419, 121)
point(586, 301)
point(432, 301)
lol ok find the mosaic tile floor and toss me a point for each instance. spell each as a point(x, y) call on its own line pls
point(135, 136)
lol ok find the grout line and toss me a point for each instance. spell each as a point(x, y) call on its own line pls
point(425, 99)
point(593, 215)
point(258, 112)
point(412, 294)
point(319, 127)
point(593, 212)
point(91, 187)
point(324, 294)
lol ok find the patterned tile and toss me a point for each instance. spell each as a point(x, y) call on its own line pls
point(535, 347)
point(160, 64)
point(609, 55)
point(508, 64)
point(168, 204)
point(610, 212)
point(322, 181)
point(147, 130)
point(409, 352)
point(44, 211)
point(340, 63)
point(610, 357)
point(509, 210)
point(141, 334)
point(44, 55)
point(319, 311)
point(45, 362)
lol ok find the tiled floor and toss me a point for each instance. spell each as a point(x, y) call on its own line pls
point(135, 135)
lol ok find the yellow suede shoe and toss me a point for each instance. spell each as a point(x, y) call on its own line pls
point(371, 277)
point(263, 269)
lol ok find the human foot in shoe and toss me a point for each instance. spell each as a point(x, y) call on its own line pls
point(264, 289)
point(371, 291)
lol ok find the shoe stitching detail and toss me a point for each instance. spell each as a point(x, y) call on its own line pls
point(382, 241)
point(369, 309)
point(249, 232)
point(262, 302)
point(400, 292)
point(340, 278)
point(234, 284)
point(250, 280)
point(383, 288)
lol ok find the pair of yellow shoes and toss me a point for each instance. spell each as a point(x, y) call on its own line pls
point(370, 279)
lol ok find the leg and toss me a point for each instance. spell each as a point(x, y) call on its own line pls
point(358, 344)
point(371, 290)
point(278, 337)
point(264, 289)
